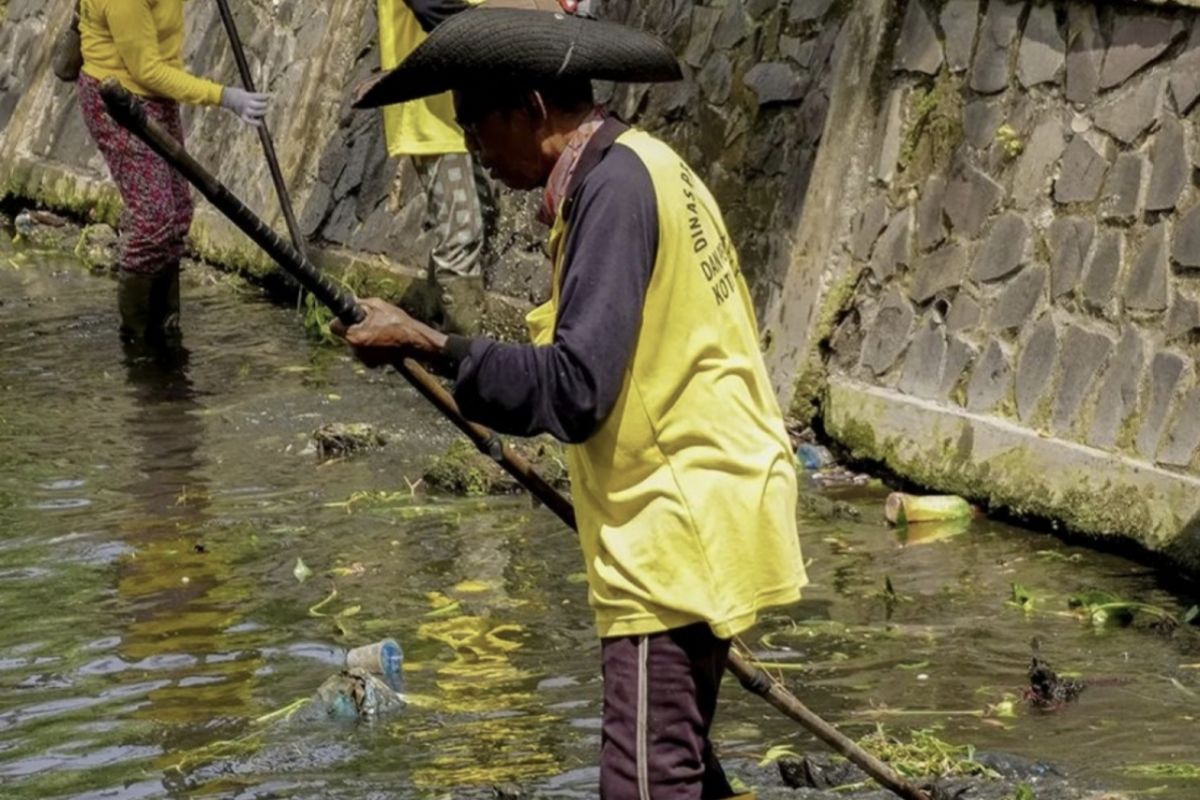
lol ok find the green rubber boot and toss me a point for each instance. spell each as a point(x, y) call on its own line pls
point(463, 304)
point(165, 306)
point(149, 306)
point(133, 302)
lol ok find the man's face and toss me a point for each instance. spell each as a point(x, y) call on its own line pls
point(506, 143)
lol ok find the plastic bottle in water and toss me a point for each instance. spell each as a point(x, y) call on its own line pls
point(385, 658)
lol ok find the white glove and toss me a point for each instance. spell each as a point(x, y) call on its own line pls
point(248, 106)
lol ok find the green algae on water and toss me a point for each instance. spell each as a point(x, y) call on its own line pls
point(1178, 771)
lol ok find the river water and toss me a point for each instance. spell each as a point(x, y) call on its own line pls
point(151, 519)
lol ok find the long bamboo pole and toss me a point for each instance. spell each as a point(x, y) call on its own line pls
point(130, 114)
point(264, 135)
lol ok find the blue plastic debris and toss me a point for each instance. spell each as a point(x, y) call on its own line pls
point(813, 456)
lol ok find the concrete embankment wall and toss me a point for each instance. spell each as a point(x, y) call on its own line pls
point(972, 227)
point(750, 115)
point(1009, 305)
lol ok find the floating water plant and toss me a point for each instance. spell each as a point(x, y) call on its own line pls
point(1102, 608)
point(1024, 792)
point(1183, 771)
point(340, 617)
point(1022, 598)
point(777, 752)
point(925, 755)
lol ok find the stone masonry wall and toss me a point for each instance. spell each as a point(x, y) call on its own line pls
point(749, 116)
point(1028, 247)
point(750, 113)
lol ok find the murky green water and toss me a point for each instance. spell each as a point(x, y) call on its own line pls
point(151, 516)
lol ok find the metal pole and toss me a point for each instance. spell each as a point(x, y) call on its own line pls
point(264, 135)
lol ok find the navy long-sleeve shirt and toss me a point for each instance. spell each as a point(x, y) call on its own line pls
point(568, 388)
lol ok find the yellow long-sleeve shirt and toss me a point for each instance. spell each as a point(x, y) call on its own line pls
point(140, 43)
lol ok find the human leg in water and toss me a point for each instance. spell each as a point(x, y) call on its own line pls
point(156, 219)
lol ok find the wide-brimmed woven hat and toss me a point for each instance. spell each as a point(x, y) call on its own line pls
point(513, 46)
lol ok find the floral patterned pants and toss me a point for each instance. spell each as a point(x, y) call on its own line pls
point(158, 200)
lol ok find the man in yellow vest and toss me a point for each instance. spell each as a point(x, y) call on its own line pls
point(645, 360)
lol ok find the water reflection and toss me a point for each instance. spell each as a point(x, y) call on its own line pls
point(177, 593)
point(495, 722)
point(113, 669)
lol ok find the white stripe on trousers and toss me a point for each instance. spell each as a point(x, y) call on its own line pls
point(643, 721)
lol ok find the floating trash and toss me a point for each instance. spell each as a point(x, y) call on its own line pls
point(814, 456)
point(353, 694)
point(926, 532)
point(903, 509)
point(1047, 690)
point(24, 223)
point(837, 478)
point(369, 687)
point(384, 658)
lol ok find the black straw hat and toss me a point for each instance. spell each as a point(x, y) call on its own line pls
point(512, 46)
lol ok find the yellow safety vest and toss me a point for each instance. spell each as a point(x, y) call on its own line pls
point(419, 127)
point(686, 496)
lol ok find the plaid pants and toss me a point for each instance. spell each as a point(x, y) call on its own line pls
point(458, 198)
point(158, 200)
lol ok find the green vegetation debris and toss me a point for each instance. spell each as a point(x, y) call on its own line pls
point(339, 618)
point(925, 755)
point(1101, 608)
point(464, 471)
point(317, 318)
point(1005, 709)
point(1024, 792)
point(1023, 598)
point(1184, 771)
point(448, 610)
point(393, 504)
point(777, 752)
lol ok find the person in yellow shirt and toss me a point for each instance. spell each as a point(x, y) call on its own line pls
point(645, 361)
point(457, 194)
point(140, 44)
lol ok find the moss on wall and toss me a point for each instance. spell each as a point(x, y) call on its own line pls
point(58, 188)
point(934, 129)
point(1115, 503)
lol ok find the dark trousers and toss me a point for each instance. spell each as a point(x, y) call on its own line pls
point(660, 694)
